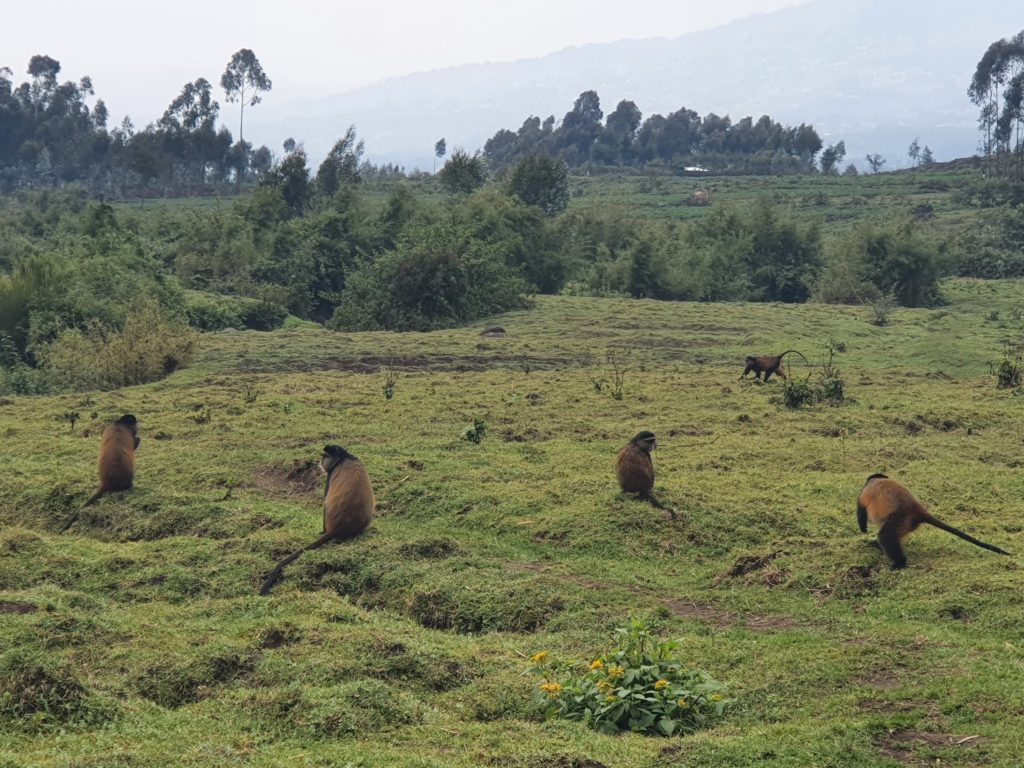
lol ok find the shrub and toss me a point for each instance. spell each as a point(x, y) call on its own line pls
point(209, 312)
point(881, 309)
point(463, 173)
point(150, 346)
point(638, 686)
point(828, 387)
point(1009, 372)
point(475, 434)
point(439, 277)
point(541, 181)
point(796, 394)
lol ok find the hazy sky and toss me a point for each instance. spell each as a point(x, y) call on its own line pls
point(140, 53)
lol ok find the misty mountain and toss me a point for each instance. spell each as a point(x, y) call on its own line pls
point(876, 73)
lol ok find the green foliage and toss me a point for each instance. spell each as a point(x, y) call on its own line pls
point(440, 276)
point(880, 310)
point(390, 378)
point(641, 685)
point(1009, 372)
point(677, 140)
point(151, 345)
point(543, 182)
point(214, 312)
point(463, 173)
point(897, 261)
point(827, 385)
point(475, 433)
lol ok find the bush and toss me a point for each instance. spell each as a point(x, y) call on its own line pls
point(1009, 372)
point(150, 346)
point(440, 276)
point(463, 173)
point(639, 686)
point(900, 262)
point(828, 387)
point(210, 312)
point(541, 181)
point(881, 308)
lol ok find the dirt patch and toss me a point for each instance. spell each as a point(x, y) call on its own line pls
point(717, 617)
point(374, 363)
point(899, 744)
point(14, 606)
point(748, 563)
point(275, 637)
point(880, 681)
point(726, 619)
point(889, 707)
point(528, 435)
point(300, 479)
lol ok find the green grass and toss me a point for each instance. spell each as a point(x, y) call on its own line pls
point(836, 203)
point(148, 645)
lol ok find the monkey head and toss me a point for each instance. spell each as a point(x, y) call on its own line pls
point(128, 420)
point(645, 441)
point(332, 456)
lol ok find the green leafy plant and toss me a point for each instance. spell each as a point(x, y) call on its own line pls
point(828, 387)
point(390, 379)
point(881, 309)
point(475, 433)
point(617, 378)
point(1009, 372)
point(641, 685)
point(797, 393)
point(71, 417)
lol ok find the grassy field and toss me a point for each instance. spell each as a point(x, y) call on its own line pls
point(137, 638)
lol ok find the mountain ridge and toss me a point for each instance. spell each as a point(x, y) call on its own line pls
point(859, 70)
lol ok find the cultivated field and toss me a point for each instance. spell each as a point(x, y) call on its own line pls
point(137, 637)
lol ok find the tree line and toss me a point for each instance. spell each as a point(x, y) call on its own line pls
point(585, 137)
point(50, 134)
point(997, 88)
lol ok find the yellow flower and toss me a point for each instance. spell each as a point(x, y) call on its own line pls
point(537, 658)
point(597, 664)
point(551, 689)
point(660, 684)
point(609, 698)
point(616, 672)
point(716, 697)
point(681, 702)
point(604, 686)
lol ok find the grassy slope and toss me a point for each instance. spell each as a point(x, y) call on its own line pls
point(407, 647)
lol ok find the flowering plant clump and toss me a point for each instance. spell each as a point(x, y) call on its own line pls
point(639, 686)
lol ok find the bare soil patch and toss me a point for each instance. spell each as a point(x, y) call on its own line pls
point(15, 606)
point(302, 478)
point(899, 743)
point(374, 363)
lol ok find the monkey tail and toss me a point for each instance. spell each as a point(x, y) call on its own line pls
point(275, 574)
point(956, 532)
point(74, 517)
point(797, 352)
point(652, 499)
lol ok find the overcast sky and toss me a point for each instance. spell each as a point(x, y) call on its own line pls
point(140, 53)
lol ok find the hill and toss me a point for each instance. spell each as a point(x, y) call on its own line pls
point(137, 638)
point(872, 72)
